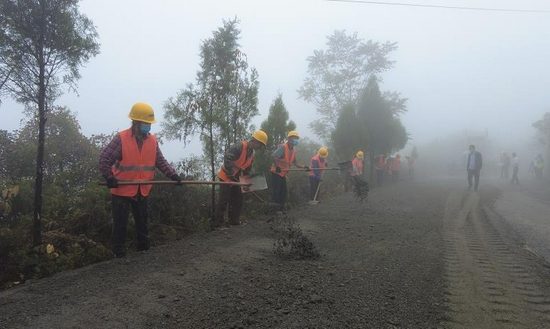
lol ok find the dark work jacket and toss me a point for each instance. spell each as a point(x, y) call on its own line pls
point(479, 161)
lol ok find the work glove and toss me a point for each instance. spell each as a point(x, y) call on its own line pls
point(277, 169)
point(307, 168)
point(112, 182)
point(176, 178)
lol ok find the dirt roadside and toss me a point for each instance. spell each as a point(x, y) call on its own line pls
point(384, 264)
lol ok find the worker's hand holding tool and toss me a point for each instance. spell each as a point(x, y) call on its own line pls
point(176, 178)
point(277, 169)
point(112, 182)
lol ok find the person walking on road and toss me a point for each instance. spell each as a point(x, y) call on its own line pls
point(317, 164)
point(475, 162)
point(505, 170)
point(237, 162)
point(133, 155)
point(539, 166)
point(379, 166)
point(283, 157)
point(515, 169)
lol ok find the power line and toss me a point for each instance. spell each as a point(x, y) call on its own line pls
point(441, 7)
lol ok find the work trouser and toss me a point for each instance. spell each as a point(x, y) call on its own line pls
point(121, 210)
point(515, 179)
point(229, 197)
point(279, 191)
point(473, 173)
point(395, 175)
point(313, 185)
point(379, 176)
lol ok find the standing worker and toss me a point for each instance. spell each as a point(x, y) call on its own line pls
point(395, 167)
point(505, 172)
point(237, 162)
point(133, 154)
point(283, 157)
point(474, 164)
point(357, 165)
point(379, 166)
point(317, 164)
point(515, 169)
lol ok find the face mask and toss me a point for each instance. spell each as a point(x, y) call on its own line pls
point(145, 128)
point(295, 142)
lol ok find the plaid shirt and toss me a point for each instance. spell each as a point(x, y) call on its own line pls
point(113, 153)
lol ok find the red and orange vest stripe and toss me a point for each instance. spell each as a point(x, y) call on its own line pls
point(380, 163)
point(136, 164)
point(285, 162)
point(357, 166)
point(322, 165)
point(241, 164)
point(395, 164)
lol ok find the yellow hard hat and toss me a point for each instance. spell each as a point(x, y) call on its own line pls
point(293, 133)
point(359, 154)
point(260, 136)
point(323, 152)
point(142, 112)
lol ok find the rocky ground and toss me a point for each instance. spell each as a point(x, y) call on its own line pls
point(415, 255)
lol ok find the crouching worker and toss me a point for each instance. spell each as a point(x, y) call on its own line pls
point(133, 155)
point(237, 162)
point(317, 164)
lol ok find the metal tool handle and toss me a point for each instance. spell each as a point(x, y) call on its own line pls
point(171, 182)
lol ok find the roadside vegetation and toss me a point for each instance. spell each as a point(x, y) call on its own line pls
point(54, 216)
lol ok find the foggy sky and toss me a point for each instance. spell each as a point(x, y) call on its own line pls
point(460, 69)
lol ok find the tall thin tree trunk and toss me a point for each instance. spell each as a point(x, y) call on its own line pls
point(37, 218)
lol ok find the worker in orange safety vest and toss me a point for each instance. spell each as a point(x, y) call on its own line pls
point(395, 167)
point(133, 155)
point(357, 164)
point(317, 164)
point(283, 157)
point(237, 162)
point(379, 166)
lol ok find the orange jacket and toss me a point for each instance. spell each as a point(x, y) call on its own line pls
point(357, 167)
point(380, 163)
point(395, 164)
point(285, 162)
point(240, 165)
point(136, 164)
point(317, 171)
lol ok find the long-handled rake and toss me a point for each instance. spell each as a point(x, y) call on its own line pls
point(314, 201)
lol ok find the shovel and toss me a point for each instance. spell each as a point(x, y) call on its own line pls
point(314, 201)
point(254, 182)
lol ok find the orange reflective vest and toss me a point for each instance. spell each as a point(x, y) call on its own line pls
point(357, 167)
point(380, 163)
point(285, 162)
point(395, 164)
point(241, 164)
point(322, 165)
point(136, 164)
